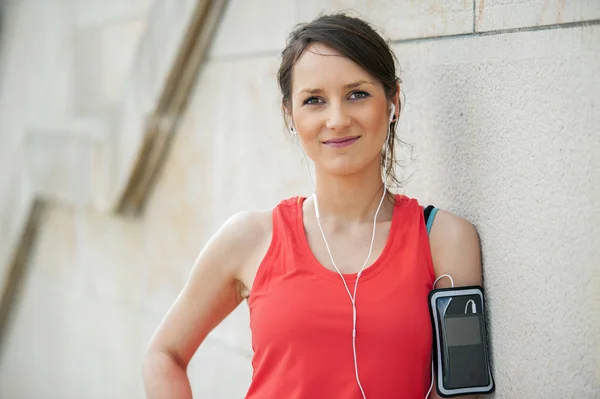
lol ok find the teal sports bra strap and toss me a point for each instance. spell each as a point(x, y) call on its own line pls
point(429, 214)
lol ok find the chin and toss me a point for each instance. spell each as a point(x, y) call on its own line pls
point(344, 168)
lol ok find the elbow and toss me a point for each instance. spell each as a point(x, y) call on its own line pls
point(164, 376)
point(157, 362)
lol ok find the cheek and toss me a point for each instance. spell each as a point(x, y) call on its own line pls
point(308, 124)
point(373, 125)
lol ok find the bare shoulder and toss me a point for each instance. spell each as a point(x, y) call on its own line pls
point(234, 249)
point(458, 230)
point(248, 228)
point(245, 238)
point(245, 235)
point(455, 249)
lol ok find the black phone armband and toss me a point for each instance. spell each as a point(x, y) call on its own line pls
point(460, 341)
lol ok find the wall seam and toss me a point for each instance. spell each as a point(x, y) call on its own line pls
point(566, 25)
point(273, 53)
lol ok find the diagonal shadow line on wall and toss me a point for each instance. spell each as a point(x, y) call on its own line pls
point(17, 267)
point(156, 138)
point(162, 123)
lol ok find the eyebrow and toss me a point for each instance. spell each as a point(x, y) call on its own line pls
point(347, 86)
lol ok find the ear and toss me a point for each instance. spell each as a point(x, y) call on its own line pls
point(392, 113)
point(287, 117)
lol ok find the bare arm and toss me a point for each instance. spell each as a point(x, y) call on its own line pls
point(455, 251)
point(211, 293)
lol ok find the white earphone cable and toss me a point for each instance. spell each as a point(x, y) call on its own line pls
point(442, 276)
point(432, 367)
point(353, 296)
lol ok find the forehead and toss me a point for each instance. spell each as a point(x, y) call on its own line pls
point(321, 66)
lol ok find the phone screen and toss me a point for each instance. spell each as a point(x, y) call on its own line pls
point(463, 330)
point(463, 356)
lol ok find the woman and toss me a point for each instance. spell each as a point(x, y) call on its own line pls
point(337, 283)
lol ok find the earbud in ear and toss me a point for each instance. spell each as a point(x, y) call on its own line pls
point(392, 112)
point(290, 125)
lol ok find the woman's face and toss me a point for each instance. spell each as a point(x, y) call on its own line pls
point(339, 111)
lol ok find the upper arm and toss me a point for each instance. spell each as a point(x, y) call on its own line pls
point(456, 251)
point(213, 289)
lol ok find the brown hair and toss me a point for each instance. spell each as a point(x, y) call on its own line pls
point(356, 40)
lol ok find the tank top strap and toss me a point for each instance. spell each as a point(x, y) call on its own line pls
point(411, 231)
point(279, 256)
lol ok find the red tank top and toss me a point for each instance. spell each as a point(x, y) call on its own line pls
point(301, 316)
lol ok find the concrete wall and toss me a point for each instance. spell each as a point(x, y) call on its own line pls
point(505, 125)
point(64, 66)
point(63, 69)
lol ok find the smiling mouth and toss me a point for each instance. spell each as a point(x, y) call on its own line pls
point(341, 142)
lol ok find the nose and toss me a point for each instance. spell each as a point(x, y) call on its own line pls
point(338, 118)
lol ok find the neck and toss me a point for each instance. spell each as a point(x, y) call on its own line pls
point(352, 199)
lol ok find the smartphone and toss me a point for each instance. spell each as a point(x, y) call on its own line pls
point(461, 348)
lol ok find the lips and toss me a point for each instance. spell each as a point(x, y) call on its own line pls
point(341, 140)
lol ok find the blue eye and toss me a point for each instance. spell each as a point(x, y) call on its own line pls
point(359, 95)
point(312, 101)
